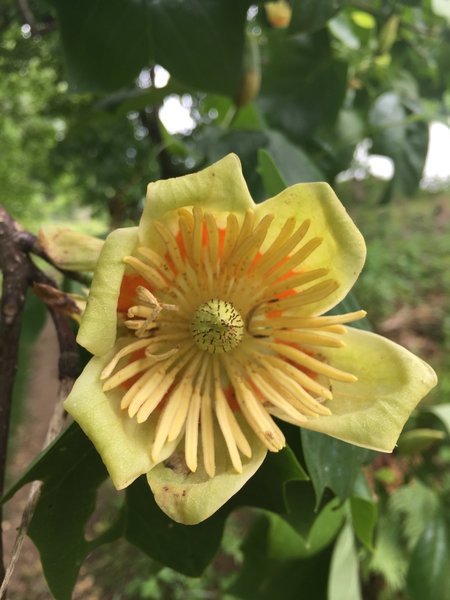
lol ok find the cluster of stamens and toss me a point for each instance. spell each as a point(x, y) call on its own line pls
point(221, 340)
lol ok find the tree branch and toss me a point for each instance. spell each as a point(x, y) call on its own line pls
point(19, 272)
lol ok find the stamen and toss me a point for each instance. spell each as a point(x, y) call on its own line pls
point(295, 260)
point(207, 427)
point(197, 236)
point(231, 235)
point(300, 322)
point(281, 248)
point(313, 294)
point(192, 420)
point(231, 430)
point(305, 381)
point(126, 373)
point(128, 349)
point(213, 239)
point(273, 397)
point(258, 418)
point(305, 337)
point(149, 273)
point(299, 397)
point(296, 280)
point(171, 245)
point(309, 362)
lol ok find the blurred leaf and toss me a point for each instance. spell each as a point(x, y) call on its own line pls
point(364, 517)
point(332, 463)
point(399, 134)
point(442, 412)
point(107, 42)
point(309, 15)
point(293, 163)
point(416, 441)
point(364, 512)
point(343, 583)
point(272, 180)
point(389, 558)
point(414, 505)
point(297, 71)
point(185, 548)
point(428, 576)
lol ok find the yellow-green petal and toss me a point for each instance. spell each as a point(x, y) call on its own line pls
point(123, 444)
point(98, 328)
point(342, 250)
point(391, 382)
point(70, 249)
point(220, 187)
point(190, 498)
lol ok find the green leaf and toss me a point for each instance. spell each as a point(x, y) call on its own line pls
point(64, 454)
point(185, 548)
point(309, 15)
point(428, 576)
point(107, 42)
point(316, 529)
point(343, 583)
point(66, 502)
point(332, 463)
point(264, 576)
point(298, 70)
point(267, 488)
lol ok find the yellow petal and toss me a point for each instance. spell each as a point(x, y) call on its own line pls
point(99, 324)
point(391, 381)
point(123, 444)
point(220, 187)
point(342, 250)
point(190, 498)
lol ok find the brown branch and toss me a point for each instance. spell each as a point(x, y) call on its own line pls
point(19, 272)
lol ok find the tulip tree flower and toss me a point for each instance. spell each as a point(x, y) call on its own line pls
point(207, 324)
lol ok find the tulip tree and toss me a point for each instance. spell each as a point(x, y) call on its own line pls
point(216, 368)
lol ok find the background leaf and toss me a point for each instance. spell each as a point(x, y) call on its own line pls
point(343, 583)
point(107, 42)
point(429, 575)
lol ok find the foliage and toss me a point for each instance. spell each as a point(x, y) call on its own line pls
point(82, 133)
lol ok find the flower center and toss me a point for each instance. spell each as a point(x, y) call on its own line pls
point(217, 326)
